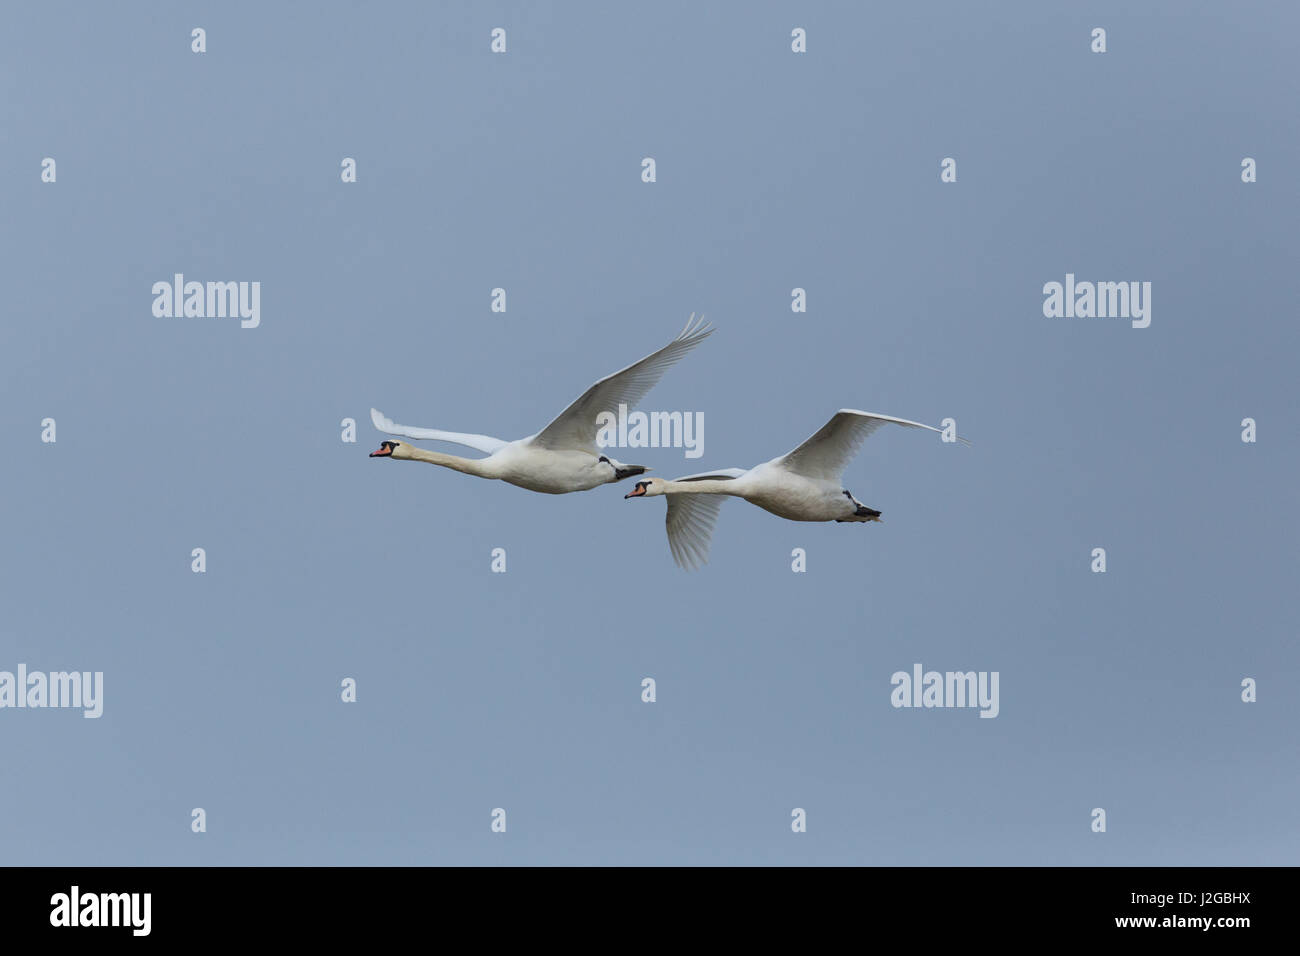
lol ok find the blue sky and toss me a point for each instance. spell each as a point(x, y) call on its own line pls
point(522, 690)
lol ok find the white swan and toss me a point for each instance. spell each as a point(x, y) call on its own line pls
point(563, 456)
point(802, 486)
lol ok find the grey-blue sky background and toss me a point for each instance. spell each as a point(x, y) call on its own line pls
point(775, 170)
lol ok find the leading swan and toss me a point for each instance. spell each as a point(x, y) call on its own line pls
point(804, 485)
point(563, 456)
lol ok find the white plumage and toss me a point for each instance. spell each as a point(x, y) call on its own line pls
point(563, 456)
point(803, 485)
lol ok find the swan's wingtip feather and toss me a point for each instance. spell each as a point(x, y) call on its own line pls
point(696, 328)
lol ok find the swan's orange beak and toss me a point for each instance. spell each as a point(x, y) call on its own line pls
point(384, 451)
point(636, 492)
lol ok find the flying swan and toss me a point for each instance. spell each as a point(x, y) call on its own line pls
point(563, 456)
point(804, 485)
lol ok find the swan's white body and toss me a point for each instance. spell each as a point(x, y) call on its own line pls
point(550, 471)
point(563, 456)
point(804, 485)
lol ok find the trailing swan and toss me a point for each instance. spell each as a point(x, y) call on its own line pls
point(804, 485)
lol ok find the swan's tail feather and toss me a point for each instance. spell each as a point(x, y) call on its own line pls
point(863, 514)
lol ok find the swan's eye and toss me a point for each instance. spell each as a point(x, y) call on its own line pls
point(604, 459)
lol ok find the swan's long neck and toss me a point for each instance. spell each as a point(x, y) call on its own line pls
point(703, 487)
point(469, 466)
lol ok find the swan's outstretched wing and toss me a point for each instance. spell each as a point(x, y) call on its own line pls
point(828, 452)
point(721, 474)
point(483, 443)
point(575, 427)
point(691, 519)
point(690, 528)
